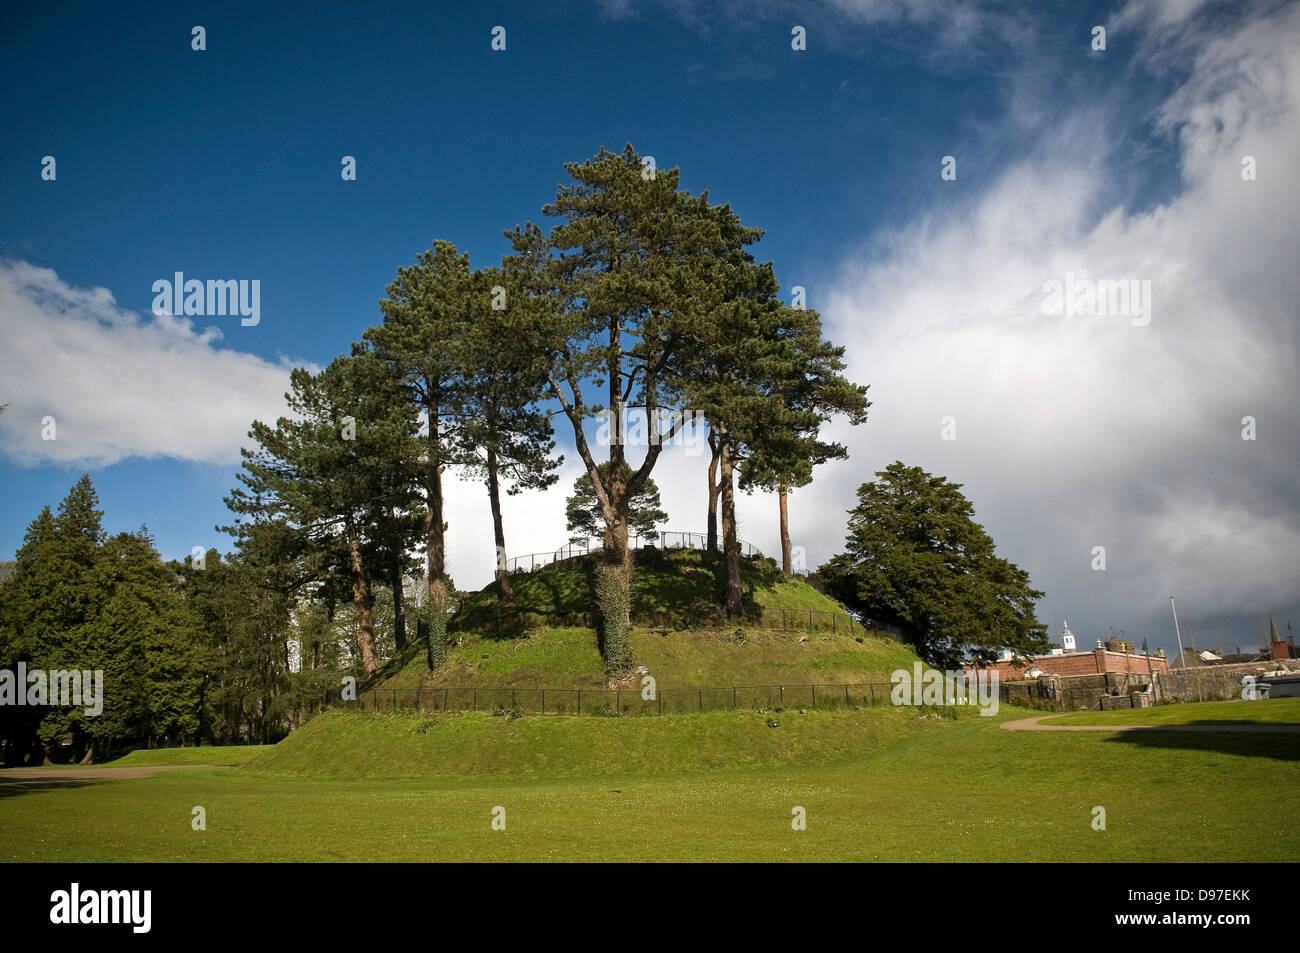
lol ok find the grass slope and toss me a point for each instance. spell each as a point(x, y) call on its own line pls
point(224, 754)
point(542, 638)
point(355, 745)
point(569, 658)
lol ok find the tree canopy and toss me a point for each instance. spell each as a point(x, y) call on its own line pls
point(916, 559)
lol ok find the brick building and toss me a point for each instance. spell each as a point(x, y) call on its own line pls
point(1117, 656)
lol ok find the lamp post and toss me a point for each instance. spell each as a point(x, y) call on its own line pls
point(1174, 609)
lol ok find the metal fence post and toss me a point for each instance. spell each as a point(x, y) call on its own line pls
point(476, 699)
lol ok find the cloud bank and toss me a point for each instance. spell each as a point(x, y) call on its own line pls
point(118, 385)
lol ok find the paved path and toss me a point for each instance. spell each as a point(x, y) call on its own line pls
point(72, 774)
point(1032, 724)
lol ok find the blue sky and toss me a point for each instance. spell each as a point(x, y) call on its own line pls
point(225, 164)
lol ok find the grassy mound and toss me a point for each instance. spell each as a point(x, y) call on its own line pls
point(569, 658)
point(793, 635)
point(226, 754)
point(674, 589)
point(363, 745)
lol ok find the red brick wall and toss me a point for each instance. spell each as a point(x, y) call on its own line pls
point(1095, 662)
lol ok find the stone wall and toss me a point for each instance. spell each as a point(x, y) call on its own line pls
point(1214, 682)
point(1076, 692)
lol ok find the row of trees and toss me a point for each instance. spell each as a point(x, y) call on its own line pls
point(190, 652)
point(642, 295)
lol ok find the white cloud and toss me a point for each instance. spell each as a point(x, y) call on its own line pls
point(116, 384)
point(1091, 431)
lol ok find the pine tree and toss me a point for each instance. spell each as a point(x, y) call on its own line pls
point(329, 477)
point(802, 373)
point(425, 314)
point(621, 274)
point(503, 435)
point(583, 513)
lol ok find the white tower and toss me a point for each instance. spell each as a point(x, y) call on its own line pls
point(1067, 639)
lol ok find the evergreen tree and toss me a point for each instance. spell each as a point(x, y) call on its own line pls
point(504, 435)
point(55, 597)
point(327, 476)
point(583, 512)
point(620, 274)
point(426, 312)
point(243, 615)
point(802, 373)
point(916, 559)
point(145, 639)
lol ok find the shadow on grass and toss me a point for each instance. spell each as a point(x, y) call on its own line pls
point(17, 787)
point(1279, 745)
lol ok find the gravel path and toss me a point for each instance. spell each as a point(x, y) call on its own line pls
point(71, 774)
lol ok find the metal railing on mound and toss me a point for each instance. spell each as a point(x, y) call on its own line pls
point(618, 702)
point(585, 547)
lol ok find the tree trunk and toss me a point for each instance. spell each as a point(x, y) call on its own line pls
point(361, 604)
point(434, 527)
point(786, 566)
point(498, 529)
point(614, 587)
point(734, 599)
point(399, 608)
point(713, 492)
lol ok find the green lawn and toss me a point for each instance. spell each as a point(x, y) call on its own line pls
point(886, 786)
point(1272, 711)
